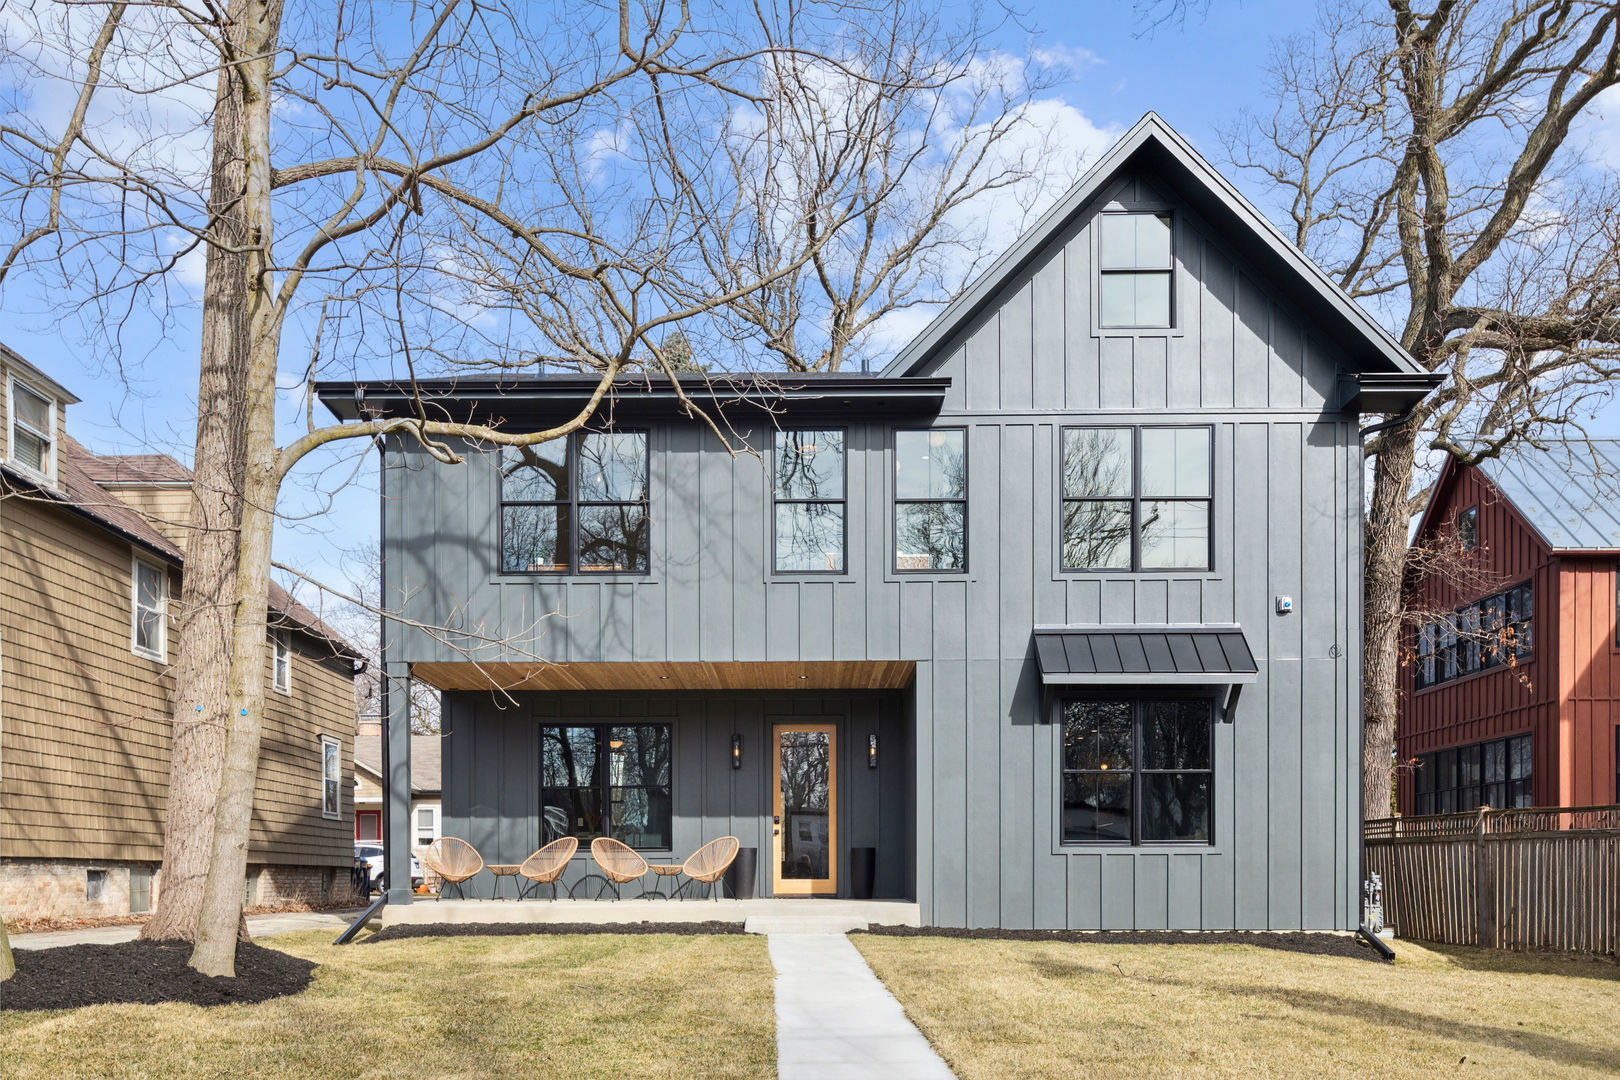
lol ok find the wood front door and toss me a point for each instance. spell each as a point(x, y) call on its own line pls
point(804, 808)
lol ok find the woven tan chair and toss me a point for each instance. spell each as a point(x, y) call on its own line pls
point(619, 862)
point(545, 866)
point(708, 864)
point(454, 861)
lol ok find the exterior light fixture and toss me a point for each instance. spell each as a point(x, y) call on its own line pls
point(871, 751)
point(736, 751)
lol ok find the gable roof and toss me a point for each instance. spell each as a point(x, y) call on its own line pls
point(1154, 146)
point(426, 759)
point(1567, 492)
point(78, 468)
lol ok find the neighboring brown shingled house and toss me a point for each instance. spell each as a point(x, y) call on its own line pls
point(91, 550)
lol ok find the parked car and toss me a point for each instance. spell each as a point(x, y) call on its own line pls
point(372, 856)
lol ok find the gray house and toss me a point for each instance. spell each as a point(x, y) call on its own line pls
point(1059, 612)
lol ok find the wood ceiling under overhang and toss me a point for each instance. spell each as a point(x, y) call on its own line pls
point(666, 675)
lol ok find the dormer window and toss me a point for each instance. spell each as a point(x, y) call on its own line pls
point(1135, 268)
point(32, 439)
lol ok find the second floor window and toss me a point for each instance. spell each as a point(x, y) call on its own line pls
point(33, 430)
point(930, 500)
point(1135, 268)
point(149, 596)
point(1488, 633)
point(281, 661)
point(576, 505)
point(808, 476)
point(1137, 498)
point(1468, 529)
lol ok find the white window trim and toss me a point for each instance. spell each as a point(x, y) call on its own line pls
point(281, 643)
point(12, 420)
point(416, 824)
point(337, 815)
point(161, 653)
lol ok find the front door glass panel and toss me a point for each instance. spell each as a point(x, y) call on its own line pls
point(805, 825)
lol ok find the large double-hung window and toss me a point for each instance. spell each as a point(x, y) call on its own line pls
point(1137, 498)
point(31, 441)
point(576, 505)
point(808, 474)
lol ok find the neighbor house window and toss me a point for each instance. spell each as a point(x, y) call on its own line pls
point(1491, 632)
point(809, 485)
point(32, 436)
point(331, 776)
point(606, 780)
point(281, 661)
point(1137, 498)
point(930, 500)
point(576, 505)
point(1135, 268)
point(1495, 774)
point(1136, 771)
point(1468, 529)
point(425, 832)
point(148, 614)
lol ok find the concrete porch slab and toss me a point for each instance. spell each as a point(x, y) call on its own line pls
point(769, 915)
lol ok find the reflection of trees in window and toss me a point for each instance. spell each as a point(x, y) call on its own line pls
point(1136, 771)
point(809, 480)
point(577, 504)
point(607, 780)
point(930, 520)
point(805, 761)
point(1136, 498)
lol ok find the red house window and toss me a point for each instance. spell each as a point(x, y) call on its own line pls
point(368, 825)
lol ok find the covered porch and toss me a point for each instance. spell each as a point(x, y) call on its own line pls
point(810, 765)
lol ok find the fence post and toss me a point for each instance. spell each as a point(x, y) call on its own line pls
point(1484, 884)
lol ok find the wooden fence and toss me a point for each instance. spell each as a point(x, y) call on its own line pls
point(1508, 879)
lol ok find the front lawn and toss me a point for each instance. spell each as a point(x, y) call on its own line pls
point(585, 1005)
point(1006, 1009)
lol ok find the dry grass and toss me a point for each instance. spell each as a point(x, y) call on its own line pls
point(600, 1005)
point(1023, 1009)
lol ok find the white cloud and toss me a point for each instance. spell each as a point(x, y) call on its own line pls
point(1600, 128)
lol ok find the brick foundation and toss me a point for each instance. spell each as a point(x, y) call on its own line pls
point(46, 890)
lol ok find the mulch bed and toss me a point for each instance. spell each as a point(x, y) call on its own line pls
point(145, 973)
point(1346, 945)
point(427, 930)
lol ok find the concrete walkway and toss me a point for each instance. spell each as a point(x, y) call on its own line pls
point(258, 926)
point(836, 1021)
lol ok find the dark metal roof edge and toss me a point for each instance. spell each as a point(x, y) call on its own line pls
point(1152, 130)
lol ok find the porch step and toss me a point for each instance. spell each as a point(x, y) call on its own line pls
point(804, 924)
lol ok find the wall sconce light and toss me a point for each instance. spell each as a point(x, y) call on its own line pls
point(736, 751)
point(871, 751)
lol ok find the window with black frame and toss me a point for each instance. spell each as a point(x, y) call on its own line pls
point(1468, 529)
point(1136, 267)
point(576, 505)
point(606, 780)
point(1137, 498)
point(1495, 631)
point(930, 500)
point(808, 473)
point(1137, 771)
point(1497, 773)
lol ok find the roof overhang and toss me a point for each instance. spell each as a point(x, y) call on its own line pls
point(1388, 391)
point(670, 675)
point(520, 399)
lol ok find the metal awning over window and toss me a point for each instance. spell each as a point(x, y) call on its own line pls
point(1144, 656)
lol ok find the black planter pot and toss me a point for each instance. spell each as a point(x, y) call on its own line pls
point(862, 872)
point(742, 874)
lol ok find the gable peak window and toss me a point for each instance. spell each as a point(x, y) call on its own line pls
point(31, 439)
point(1468, 529)
point(576, 505)
point(1137, 498)
point(930, 500)
point(148, 614)
point(808, 479)
point(1135, 270)
point(281, 661)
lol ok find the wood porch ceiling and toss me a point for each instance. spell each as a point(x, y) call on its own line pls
point(667, 675)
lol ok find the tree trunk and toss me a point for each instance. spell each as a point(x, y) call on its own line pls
point(1388, 518)
point(221, 924)
point(201, 694)
point(8, 966)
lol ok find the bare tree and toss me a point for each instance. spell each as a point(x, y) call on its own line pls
point(915, 134)
point(1425, 158)
point(441, 188)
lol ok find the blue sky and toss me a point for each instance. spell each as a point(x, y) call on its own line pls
point(1196, 76)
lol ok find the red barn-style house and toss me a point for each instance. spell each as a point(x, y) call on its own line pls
point(1508, 697)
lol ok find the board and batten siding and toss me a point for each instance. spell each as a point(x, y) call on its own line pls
point(84, 734)
point(1286, 519)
